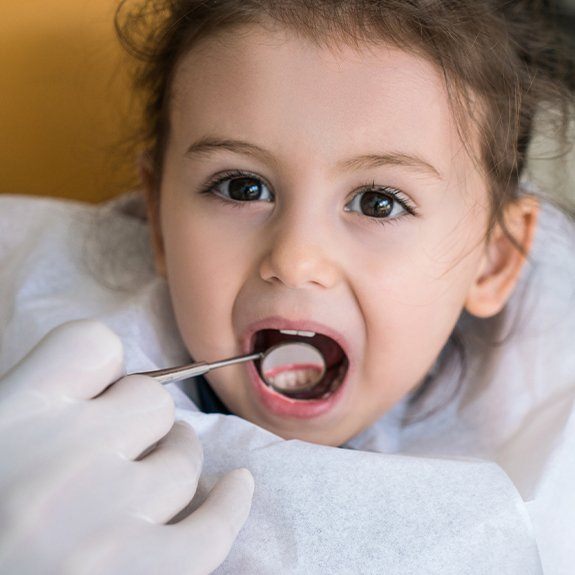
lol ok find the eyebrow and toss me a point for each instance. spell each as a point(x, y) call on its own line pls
point(209, 144)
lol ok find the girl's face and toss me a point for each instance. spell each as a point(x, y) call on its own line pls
point(319, 189)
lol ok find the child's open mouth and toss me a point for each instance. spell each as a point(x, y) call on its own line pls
point(297, 379)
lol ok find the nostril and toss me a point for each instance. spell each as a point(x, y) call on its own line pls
point(297, 272)
point(297, 266)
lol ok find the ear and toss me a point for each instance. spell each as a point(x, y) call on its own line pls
point(151, 187)
point(502, 262)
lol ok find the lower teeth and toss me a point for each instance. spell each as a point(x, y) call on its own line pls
point(317, 391)
point(296, 380)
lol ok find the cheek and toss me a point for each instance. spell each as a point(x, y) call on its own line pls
point(204, 270)
point(426, 272)
point(437, 265)
point(413, 294)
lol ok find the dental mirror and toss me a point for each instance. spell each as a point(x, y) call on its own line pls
point(292, 366)
point(285, 367)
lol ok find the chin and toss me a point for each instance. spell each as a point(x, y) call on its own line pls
point(317, 436)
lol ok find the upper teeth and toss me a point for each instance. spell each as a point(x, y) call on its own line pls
point(297, 332)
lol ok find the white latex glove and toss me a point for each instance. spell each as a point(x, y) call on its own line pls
point(75, 497)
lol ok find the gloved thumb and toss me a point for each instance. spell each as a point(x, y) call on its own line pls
point(78, 359)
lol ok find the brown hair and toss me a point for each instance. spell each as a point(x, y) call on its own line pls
point(502, 60)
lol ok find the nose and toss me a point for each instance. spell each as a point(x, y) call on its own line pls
point(300, 254)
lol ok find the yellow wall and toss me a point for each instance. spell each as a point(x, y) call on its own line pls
point(64, 100)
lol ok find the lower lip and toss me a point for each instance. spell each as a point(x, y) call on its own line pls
point(281, 405)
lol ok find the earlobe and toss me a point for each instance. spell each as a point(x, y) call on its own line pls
point(502, 261)
point(152, 194)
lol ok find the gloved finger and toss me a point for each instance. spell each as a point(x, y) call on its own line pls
point(196, 545)
point(129, 417)
point(211, 530)
point(70, 498)
point(168, 477)
point(132, 415)
point(78, 360)
point(60, 502)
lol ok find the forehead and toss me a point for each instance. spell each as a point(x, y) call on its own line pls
point(258, 82)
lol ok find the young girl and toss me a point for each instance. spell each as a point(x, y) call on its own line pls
point(346, 174)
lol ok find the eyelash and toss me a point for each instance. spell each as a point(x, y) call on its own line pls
point(404, 202)
point(208, 188)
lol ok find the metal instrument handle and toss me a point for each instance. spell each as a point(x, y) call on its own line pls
point(173, 374)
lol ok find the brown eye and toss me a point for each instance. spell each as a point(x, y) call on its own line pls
point(238, 189)
point(376, 205)
point(379, 204)
point(244, 189)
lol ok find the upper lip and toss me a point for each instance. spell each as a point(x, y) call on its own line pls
point(278, 322)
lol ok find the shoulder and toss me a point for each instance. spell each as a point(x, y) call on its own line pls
point(30, 225)
point(63, 260)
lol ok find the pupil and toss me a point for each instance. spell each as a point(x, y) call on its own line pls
point(244, 189)
point(376, 204)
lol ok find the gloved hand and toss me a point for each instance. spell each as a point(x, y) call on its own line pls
point(81, 489)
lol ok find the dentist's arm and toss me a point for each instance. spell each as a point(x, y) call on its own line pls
point(90, 473)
